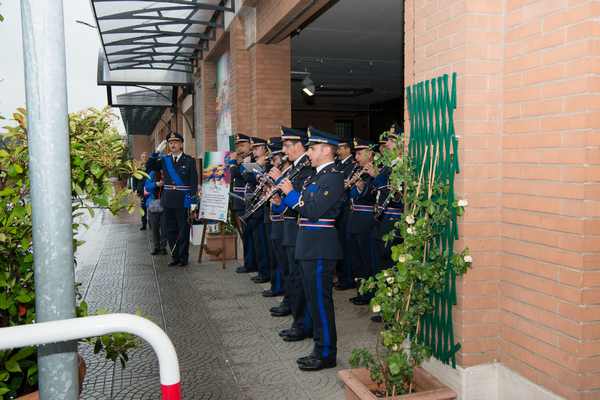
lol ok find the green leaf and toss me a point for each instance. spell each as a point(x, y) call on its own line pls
point(4, 375)
point(12, 365)
point(5, 301)
point(23, 353)
point(23, 298)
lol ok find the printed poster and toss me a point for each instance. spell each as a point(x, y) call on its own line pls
point(216, 180)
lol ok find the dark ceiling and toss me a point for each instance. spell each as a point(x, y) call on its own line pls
point(355, 44)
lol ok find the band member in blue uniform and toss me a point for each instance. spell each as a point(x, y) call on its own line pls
point(256, 222)
point(388, 203)
point(180, 186)
point(279, 268)
point(243, 154)
point(294, 142)
point(361, 221)
point(346, 165)
point(318, 204)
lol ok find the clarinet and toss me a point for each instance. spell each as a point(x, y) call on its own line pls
point(356, 175)
point(293, 174)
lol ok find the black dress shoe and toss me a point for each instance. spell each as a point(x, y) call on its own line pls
point(261, 279)
point(244, 270)
point(155, 252)
point(304, 359)
point(270, 293)
point(351, 299)
point(317, 364)
point(283, 312)
point(183, 264)
point(280, 308)
point(285, 332)
point(174, 263)
point(361, 301)
point(294, 336)
point(143, 228)
point(376, 318)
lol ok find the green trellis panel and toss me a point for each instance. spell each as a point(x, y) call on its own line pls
point(431, 106)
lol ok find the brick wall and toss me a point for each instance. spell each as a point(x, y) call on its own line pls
point(445, 37)
point(208, 77)
point(550, 198)
point(271, 88)
point(528, 122)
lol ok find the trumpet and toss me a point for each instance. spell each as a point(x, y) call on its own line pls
point(265, 199)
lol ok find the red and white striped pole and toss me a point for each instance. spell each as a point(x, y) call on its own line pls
point(78, 328)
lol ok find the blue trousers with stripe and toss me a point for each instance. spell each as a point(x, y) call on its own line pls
point(248, 243)
point(279, 267)
point(303, 321)
point(318, 283)
point(261, 249)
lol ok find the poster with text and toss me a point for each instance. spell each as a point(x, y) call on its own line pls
point(215, 186)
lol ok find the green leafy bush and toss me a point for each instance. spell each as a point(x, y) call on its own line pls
point(98, 153)
point(402, 294)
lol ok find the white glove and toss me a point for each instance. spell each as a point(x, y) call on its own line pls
point(161, 147)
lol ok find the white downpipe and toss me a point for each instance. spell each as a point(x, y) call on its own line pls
point(79, 328)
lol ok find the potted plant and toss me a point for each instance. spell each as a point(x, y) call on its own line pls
point(224, 239)
point(97, 154)
point(402, 294)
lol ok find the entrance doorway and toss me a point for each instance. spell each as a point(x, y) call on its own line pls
point(348, 69)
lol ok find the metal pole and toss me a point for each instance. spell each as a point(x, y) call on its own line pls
point(50, 176)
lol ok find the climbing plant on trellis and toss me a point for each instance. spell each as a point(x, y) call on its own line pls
point(431, 106)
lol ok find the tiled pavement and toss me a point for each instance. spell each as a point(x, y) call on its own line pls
point(226, 341)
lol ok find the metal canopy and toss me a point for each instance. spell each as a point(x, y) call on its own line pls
point(147, 97)
point(158, 35)
point(142, 109)
point(140, 120)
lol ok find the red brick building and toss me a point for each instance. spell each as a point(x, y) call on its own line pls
point(528, 315)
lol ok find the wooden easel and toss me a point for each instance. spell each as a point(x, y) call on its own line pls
point(216, 252)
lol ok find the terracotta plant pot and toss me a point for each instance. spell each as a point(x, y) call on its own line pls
point(82, 371)
point(359, 386)
point(214, 247)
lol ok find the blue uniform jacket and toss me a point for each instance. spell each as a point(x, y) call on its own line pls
point(318, 204)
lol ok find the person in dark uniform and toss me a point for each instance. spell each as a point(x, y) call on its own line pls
point(361, 221)
point(242, 154)
point(346, 165)
point(294, 141)
point(318, 204)
point(388, 204)
point(180, 186)
point(138, 187)
point(256, 222)
point(279, 268)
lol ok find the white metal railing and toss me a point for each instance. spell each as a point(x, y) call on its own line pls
point(78, 328)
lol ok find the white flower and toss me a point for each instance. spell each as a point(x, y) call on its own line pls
point(463, 203)
point(386, 274)
point(410, 219)
point(411, 231)
point(376, 308)
point(402, 258)
point(395, 161)
point(389, 293)
point(390, 280)
point(468, 259)
point(395, 347)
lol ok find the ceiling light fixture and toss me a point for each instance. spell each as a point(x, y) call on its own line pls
point(308, 86)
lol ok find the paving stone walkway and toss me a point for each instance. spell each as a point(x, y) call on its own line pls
point(226, 341)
